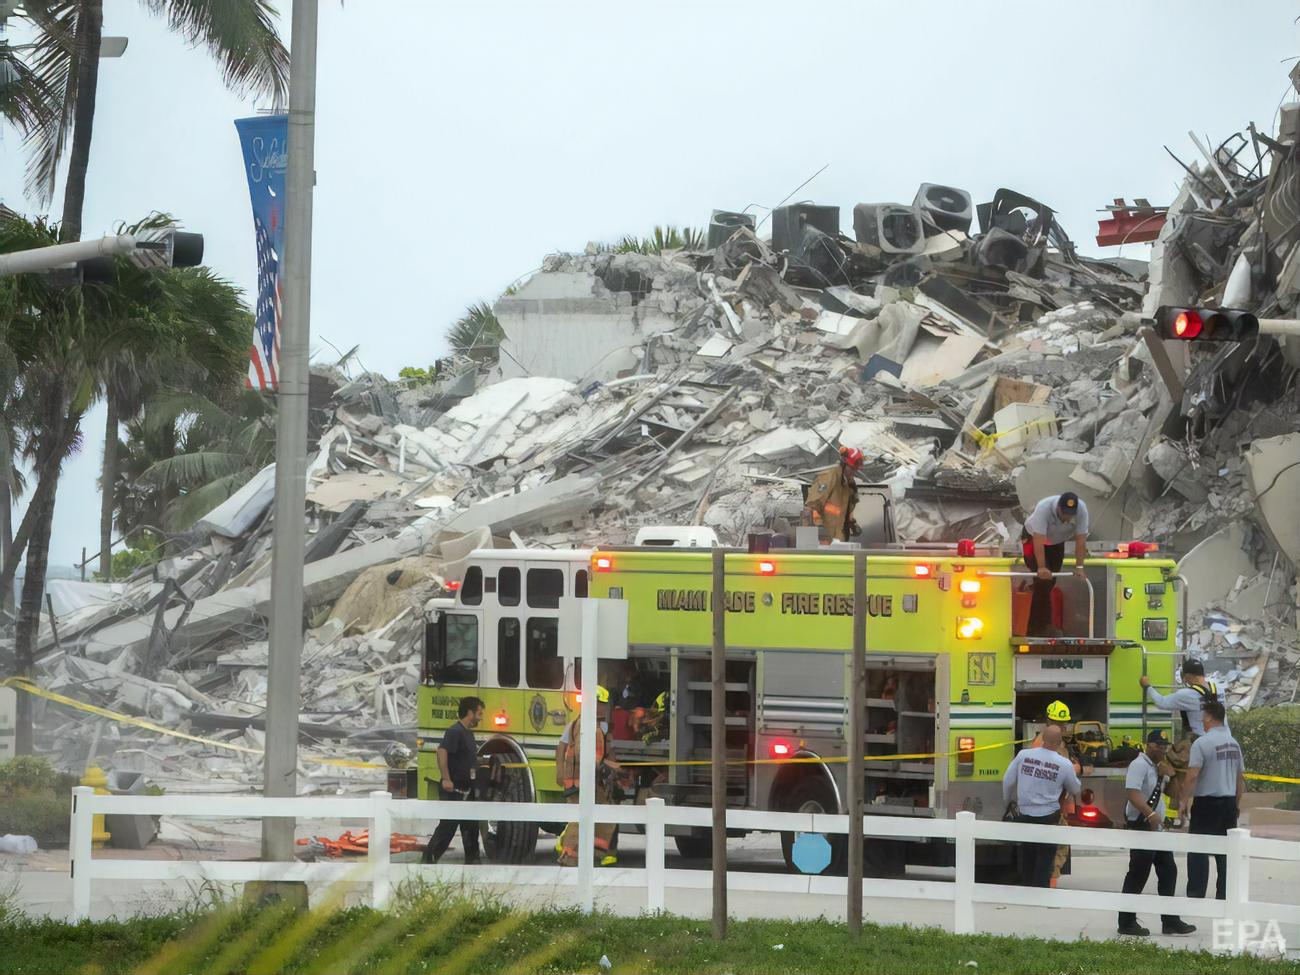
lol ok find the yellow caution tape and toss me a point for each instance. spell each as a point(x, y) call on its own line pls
point(913, 756)
point(1272, 778)
point(25, 685)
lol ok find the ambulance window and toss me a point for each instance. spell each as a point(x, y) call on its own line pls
point(580, 584)
point(508, 586)
point(508, 652)
point(545, 587)
point(471, 589)
point(545, 668)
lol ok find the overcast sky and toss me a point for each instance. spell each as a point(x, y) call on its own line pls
point(458, 143)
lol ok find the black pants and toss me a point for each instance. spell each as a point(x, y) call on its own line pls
point(441, 838)
point(1036, 859)
point(1040, 608)
point(1140, 863)
point(1211, 816)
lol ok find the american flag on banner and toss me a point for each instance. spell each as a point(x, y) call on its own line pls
point(264, 357)
point(264, 140)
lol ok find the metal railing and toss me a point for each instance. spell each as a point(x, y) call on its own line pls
point(381, 873)
point(1092, 593)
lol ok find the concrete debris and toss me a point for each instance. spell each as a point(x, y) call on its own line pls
point(976, 358)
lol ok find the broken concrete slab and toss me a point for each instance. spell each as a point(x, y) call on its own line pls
point(1212, 567)
point(1274, 469)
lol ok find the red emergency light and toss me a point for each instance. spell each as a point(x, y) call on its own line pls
point(451, 585)
point(966, 548)
point(500, 719)
point(602, 563)
point(921, 571)
point(779, 749)
point(766, 568)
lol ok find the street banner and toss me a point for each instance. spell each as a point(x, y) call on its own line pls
point(265, 141)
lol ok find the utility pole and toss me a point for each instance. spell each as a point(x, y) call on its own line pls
point(283, 694)
point(718, 743)
point(857, 709)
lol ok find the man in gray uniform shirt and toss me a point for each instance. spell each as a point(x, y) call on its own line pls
point(1054, 521)
point(1215, 782)
point(1034, 779)
point(1145, 810)
point(1187, 701)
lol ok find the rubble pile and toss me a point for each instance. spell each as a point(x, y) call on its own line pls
point(974, 356)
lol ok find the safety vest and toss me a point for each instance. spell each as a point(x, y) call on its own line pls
point(1208, 693)
point(569, 764)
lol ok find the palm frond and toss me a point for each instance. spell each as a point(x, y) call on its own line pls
point(240, 35)
point(183, 512)
point(477, 334)
point(25, 100)
point(190, 469)
point(52, 62)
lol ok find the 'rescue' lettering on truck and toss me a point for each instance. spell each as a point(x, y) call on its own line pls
point(954, 687)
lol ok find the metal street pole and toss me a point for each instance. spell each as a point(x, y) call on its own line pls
point(284, 666)
point(857, 709)
point(718, 744)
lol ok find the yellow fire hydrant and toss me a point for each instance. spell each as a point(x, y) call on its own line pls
point(97, 780)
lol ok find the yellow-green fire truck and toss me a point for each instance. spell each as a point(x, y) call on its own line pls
point(953, 688)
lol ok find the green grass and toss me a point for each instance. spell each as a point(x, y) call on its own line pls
point(437, 932)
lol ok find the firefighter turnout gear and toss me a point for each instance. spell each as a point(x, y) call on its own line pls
point(567, 772)
point(830, 503)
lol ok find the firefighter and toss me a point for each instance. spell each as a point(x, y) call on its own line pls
point(567, 757)
point(1053, 522)
point(1035, 779)
point(1144, 785)
point(1211, 801)
point(1058, 717)
point(832, 498)
point(1187, 701)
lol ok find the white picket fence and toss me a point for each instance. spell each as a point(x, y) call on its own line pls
point(378, 870)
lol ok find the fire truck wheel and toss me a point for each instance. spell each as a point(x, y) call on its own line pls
point(813, 795)
point(695, 847)
point(507, 842)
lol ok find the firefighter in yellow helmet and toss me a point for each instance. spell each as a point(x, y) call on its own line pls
point(1058, 713)
point(567, 757)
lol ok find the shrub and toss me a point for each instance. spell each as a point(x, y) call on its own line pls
point(28, 775)
point(1270, 742)
point(43, 817)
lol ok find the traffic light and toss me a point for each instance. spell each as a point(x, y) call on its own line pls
point(1206, 324)
point(170, 248)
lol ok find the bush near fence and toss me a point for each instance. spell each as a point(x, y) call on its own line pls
point(1270, 742)
point(34, 800)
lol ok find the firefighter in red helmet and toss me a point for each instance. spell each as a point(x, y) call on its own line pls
point(832, 497)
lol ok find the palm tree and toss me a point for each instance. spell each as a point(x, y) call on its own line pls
point(477, 334)
point(210, 326)
point(51, 95)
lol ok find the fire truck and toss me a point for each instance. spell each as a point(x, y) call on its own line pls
point(954, 687)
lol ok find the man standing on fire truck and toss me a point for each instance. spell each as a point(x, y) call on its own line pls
point(832, 498)
point(1052, 523)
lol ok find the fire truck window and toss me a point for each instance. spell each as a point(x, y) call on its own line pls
point(508, 653)
point(545, 668)
point(545, 587)
point(456, 661)
point(471, 589)
point(580, 584)
point(508, 586)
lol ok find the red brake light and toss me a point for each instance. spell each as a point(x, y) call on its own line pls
point(602, 563)
point(500, 720)
point(970, 585)
point(1188, 325)
point(451, 585)
point(1089, 812)
point(766, 568)
point(780, 749)
point(921, 571)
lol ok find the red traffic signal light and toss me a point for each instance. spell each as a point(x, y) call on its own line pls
point(1206, 324)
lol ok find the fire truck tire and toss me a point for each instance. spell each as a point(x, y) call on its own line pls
point(506, 842)
point(814, 795)
point(695, 847)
